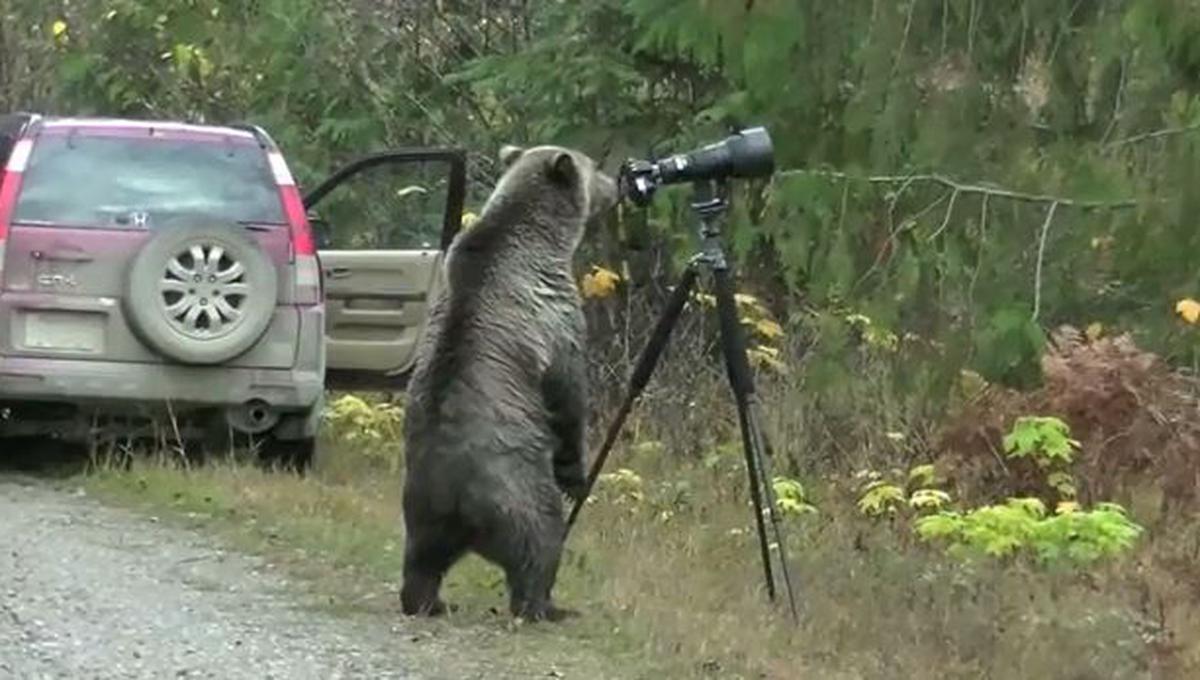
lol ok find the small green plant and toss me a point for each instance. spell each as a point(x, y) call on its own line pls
point(622, 487)
point(1045, 439)
point(928, 499)
point(790, 497)
point(1022, 525)
point(880, 497)
point(916, 489)
point(371, 427)
point(875, 336)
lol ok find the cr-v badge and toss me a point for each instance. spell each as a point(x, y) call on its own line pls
point(57, 281)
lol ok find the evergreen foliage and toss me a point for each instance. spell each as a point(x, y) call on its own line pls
point(963, 173)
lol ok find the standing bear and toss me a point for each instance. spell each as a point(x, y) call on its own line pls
point(497, 402)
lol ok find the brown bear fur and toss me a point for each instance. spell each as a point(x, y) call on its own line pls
point(497, 402)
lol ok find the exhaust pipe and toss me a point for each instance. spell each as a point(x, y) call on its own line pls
point(253, 417)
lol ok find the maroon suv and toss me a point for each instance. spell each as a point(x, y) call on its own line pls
point(161, 272)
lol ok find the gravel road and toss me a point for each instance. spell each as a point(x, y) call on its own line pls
point(89, 591)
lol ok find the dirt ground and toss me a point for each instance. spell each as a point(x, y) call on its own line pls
point(89, 591)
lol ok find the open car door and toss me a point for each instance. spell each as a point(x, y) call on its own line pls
point(383, 224)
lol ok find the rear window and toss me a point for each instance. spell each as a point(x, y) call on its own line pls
point(106, 181)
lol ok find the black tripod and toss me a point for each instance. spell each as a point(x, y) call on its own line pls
point(710, 204)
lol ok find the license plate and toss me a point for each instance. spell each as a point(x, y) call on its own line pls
point(65, 331)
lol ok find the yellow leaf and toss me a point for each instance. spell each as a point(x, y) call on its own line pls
point(929, 499)
point(1189, 309)
point(924, 474)
point(768, 329)
point(766, 356)
point(204, 64)
point(58, 28)
point(750, 302)
point(1065, 507)
point(971, 383)
point(1094, 331)
point(857, 320)
point(772, 352)
point(600, 283)
point(880, 497)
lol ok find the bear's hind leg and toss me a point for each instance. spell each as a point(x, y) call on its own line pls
point(428, 554)
point(528, 545)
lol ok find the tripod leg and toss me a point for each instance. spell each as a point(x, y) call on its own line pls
point(762, 446)
point(642, 371)
point(737, 366)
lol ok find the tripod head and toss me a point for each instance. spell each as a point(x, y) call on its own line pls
point(710, 204)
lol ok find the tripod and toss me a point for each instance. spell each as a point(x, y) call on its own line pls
point(710, 204)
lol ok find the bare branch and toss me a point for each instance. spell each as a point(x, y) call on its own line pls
point(912, 6)
point(971, 31)
point(896, 199)
point(983, 215)
point(946, 219)
point(893, 238)
point(1041, 256)
point(1156, 134)
point(1118, 98)
point(966, 188)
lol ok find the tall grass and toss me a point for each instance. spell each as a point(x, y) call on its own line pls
point(665, 566)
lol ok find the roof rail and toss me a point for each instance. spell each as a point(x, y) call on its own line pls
point(18, 122)
point(260, 134)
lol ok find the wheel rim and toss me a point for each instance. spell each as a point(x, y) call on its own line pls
point(203, 291)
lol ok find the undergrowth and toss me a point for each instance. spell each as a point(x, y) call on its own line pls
point(1027, 534)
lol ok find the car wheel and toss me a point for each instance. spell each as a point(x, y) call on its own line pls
point(201, 295)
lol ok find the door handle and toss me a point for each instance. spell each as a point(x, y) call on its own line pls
point(61, 255)
point(337, 272)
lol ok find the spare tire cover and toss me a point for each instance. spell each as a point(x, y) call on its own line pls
point(201, 294)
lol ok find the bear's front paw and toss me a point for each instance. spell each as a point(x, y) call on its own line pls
point(575, 486)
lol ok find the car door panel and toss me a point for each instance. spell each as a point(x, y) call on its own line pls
point(377, 293)
point(376, 303)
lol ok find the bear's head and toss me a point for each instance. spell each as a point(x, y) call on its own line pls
point(566, 186)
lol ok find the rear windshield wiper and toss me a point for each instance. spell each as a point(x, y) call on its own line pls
point(259, 226)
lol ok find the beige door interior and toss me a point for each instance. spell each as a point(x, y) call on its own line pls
point(376, 305)
point(382, 228)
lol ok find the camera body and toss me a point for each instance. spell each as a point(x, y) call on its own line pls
point(744, 154)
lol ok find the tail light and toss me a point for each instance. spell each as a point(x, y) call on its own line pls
point(304, 252)
point(10, 187)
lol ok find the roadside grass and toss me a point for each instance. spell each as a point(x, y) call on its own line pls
point(340, 546)
point(665, 567)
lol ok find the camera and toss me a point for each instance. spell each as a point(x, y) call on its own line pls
point(744, 154)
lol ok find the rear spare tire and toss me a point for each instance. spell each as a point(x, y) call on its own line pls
point(201, 294)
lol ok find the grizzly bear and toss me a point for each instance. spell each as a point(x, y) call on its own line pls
point(497, 402)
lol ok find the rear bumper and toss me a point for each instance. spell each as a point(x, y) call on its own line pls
point(155, 385)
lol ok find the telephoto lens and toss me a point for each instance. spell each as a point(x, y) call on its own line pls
point(745, 154)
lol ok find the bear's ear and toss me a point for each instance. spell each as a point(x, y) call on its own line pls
point(509, 154)
point(562, 168)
